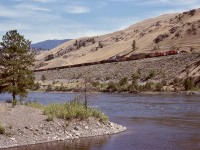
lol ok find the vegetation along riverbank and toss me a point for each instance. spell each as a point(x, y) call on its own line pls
point(33, 123)
point(145, 75)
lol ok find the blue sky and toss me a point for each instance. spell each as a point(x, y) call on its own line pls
point(61, 19)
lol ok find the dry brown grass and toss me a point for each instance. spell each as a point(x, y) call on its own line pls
point(181, 30)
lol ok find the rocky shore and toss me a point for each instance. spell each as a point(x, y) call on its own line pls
point(26, 126)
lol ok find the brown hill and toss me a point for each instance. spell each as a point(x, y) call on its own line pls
point(174, 31)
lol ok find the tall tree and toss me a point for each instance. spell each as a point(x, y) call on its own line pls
point(16, 62)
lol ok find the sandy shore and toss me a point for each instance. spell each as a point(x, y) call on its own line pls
point(26, 126)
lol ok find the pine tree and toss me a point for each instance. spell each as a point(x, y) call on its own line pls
point(134, 45)
point(16, 62)
point(100, 44)
point(43, 78)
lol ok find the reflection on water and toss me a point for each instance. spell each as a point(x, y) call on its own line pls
point(154, 122)
point(77, 144)
point(182, 122)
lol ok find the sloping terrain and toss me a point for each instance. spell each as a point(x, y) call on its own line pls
point(166, 68)
point(48, 44)
point(192, 70)
point(173, 31)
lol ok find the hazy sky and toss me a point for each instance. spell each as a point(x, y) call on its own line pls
point(61, 19)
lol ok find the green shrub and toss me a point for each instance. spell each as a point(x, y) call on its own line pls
point(123, 81)
point(151, 75)
point(36, 86)
point(112, 87)
point(63, 88)
point(123, 88)
point(159, 87)
point(49, 87)
point(135, 76)
point(148, 86)
point(188, 83)
point(141, 88)
point(133, 88)
point(72, 110)
point(67, 111)
point(98, 114)
point(95, 83)
point(2, 129)
point(49, 118)
point(164, 82)
point(60, 88)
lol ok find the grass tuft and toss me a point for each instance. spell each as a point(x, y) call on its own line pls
point(49, 118)
point(67, 111)
point(72, 110)
point(2, 129)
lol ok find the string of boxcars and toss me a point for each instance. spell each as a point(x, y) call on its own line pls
point(116, 59)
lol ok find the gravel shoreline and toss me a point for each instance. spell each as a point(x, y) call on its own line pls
point(27, 126)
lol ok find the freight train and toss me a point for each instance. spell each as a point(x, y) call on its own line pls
point(116, 59)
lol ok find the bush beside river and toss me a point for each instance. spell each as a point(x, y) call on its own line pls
point(25, 125)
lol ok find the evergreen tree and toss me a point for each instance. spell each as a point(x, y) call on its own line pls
point(100, 44)
point(43, 78)
point(134, 45)
point(16, 62)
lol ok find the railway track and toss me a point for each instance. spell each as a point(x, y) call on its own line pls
point(116, 59)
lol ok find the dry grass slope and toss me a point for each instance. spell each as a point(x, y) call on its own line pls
point(173, 31)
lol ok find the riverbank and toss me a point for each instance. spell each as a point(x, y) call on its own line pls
point(146, 75)
point(171, 93)
point(139, 93)
point(26, 126)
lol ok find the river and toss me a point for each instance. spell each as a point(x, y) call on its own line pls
point(154, 122)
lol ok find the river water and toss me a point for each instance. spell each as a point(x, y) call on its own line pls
point(154, 122)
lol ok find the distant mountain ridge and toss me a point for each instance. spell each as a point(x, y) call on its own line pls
point(48, 44)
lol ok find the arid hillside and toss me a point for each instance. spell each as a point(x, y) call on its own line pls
point(170, 71)
point(180, 31)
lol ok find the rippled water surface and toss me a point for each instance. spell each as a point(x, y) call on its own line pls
point(154, 122)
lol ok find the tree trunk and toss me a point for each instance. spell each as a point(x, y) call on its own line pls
point(85, 96)
point(13, 95)
point(14, 98)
